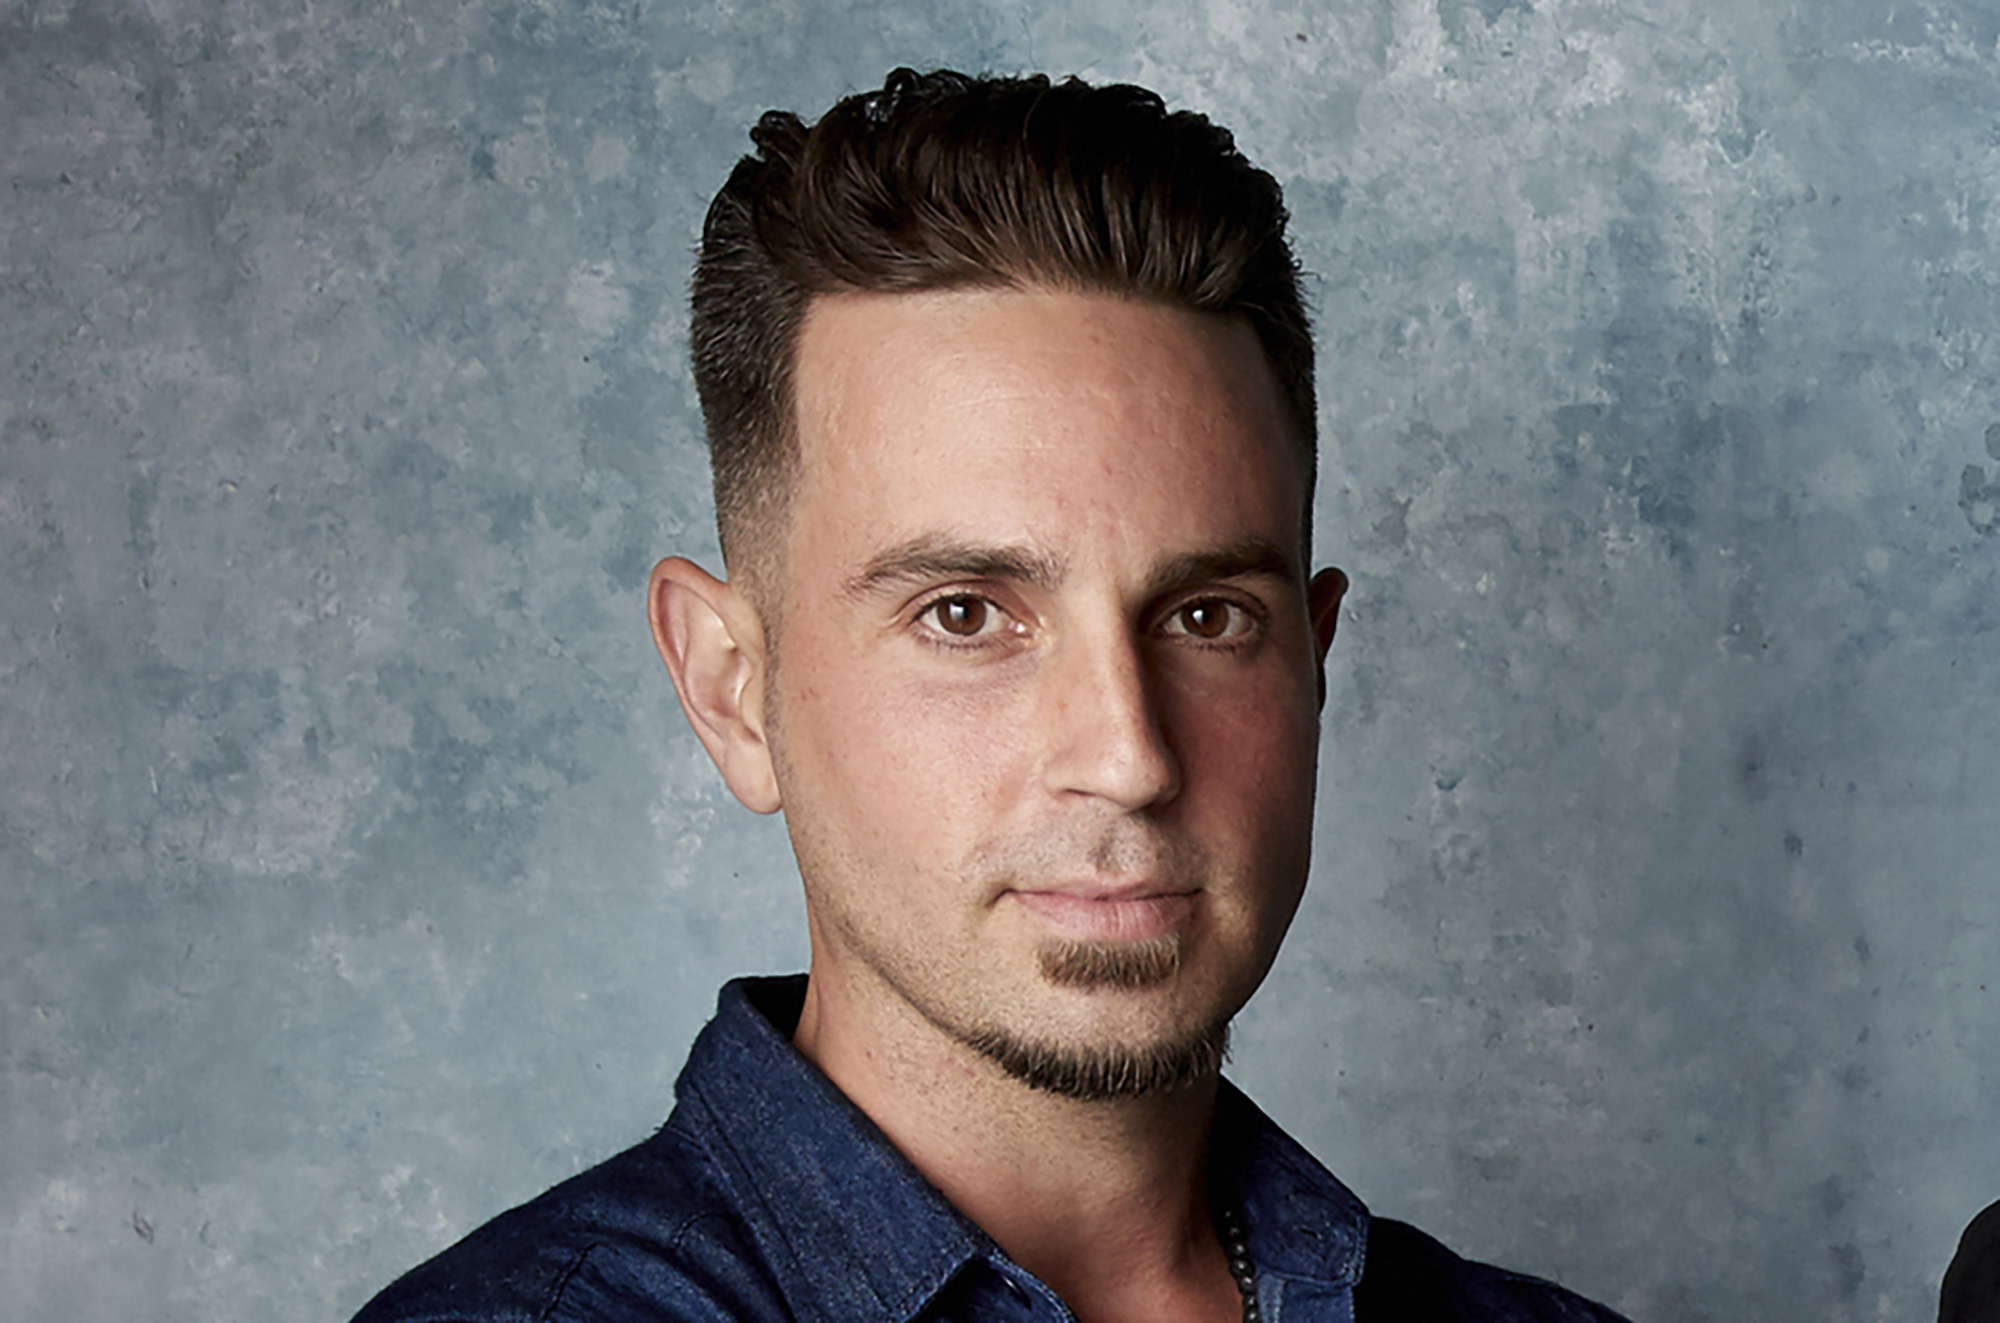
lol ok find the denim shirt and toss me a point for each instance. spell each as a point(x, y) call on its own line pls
point(769, 1196)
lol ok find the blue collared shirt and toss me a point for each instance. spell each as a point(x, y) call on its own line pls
point(769, 1196)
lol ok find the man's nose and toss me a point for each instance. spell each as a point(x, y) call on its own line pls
point(1103, 718)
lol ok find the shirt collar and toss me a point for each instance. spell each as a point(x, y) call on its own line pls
point(856, 1232)
point(1299, 1222)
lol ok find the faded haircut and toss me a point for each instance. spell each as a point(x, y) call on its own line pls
point(941, 181)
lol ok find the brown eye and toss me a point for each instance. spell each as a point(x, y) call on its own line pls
point(963, 616)
point(1205, 620)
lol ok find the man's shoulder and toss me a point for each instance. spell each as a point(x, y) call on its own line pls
point(647, 1234)
point(1409, 1277)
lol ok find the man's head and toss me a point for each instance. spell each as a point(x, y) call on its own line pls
point(1017, 457)
point(939, 181)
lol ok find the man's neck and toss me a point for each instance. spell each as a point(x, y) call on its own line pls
point(1105, 1201)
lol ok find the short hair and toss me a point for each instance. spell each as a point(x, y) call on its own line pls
point(941, 181)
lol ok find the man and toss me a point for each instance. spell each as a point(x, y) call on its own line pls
point(1009, 393)
point(1970, 1292)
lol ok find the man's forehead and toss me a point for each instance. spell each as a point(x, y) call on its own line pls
point(999, 433)
point(1015, 341)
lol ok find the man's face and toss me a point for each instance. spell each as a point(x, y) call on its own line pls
point(1044, 719)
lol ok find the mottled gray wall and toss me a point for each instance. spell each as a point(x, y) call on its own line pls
point(359, 876)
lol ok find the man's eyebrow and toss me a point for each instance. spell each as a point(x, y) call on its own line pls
point(1251, 557)
point(932, 557)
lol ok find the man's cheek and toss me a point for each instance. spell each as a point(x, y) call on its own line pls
point(963, 722)
point(1263, 733)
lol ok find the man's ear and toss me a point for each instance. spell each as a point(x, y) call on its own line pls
point(1323, 603)
point(713, 644)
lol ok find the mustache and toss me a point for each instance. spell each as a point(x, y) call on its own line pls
point(1068, 852)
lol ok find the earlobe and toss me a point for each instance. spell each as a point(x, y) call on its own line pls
point(713, 644)
point(1323, 599)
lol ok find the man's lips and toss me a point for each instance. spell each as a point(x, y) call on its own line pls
point(1110, 914)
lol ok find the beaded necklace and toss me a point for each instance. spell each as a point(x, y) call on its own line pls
point(1237, 1250)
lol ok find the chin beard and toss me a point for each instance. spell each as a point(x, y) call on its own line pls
point(1108, 1074)
point(1102, 1075)
point(1125, 965)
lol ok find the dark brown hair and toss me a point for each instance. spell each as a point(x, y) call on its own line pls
point(939, 181)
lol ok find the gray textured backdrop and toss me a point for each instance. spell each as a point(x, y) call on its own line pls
point(359, 877)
